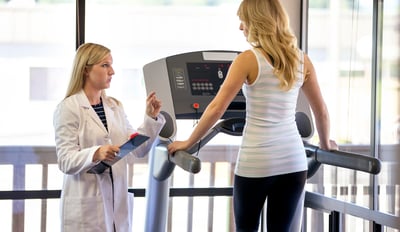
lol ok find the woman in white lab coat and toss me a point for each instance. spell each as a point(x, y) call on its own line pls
point(89, 127)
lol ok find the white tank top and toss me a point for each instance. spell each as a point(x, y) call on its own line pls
point(271, 144)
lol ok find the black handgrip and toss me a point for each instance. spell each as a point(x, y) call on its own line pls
point(349, 160)
point(343, 159)
point(186, 161)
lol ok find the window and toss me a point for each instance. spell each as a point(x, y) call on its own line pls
point(37, 40)
point(340, 43)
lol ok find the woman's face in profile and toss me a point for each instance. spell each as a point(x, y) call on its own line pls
point(99, 75)
point(243, 28)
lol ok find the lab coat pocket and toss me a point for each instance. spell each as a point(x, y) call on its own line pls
point(83, 214)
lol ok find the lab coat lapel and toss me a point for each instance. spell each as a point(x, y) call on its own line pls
point(85, 104)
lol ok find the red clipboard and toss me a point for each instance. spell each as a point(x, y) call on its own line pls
point(135, 141)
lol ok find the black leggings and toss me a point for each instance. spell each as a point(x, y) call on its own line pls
point(283, 193)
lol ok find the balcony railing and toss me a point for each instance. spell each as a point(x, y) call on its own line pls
point(200, 202)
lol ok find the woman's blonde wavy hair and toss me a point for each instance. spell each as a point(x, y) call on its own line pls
point(86, 56)
point(268, 29)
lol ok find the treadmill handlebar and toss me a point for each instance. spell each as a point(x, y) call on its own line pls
point(343, 159)
point(186, 161)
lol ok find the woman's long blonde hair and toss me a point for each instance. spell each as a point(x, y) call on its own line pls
point(87, 55)
point(268, 29)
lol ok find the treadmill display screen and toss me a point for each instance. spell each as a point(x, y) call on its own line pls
point(206, 78)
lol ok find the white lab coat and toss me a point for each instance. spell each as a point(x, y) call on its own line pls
point(87, 200)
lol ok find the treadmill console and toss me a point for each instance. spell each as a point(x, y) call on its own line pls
point(186, 83)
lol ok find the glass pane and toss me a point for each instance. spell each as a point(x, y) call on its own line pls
point(6, 177)
point(35, 56)
point(6, 215)
point(389, 179)
point(339, 44)
point(33, 176)
point(156, 29)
